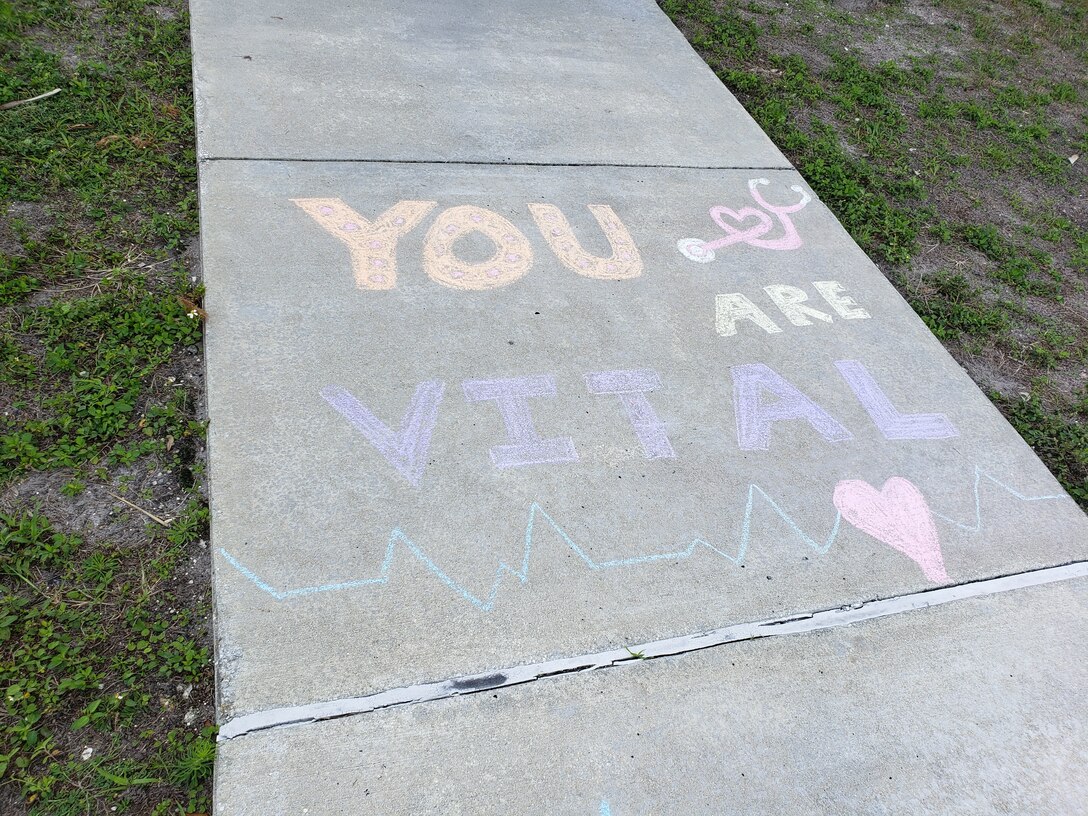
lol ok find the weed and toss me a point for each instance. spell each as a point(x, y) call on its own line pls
point(1061, 440)
point(951, 308)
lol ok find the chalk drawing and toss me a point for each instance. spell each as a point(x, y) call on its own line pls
point(790, 301)
point(373, 244)
point(625, 260)
point(512, 257)
point(406, 449)
point(846, 307)
point(606, 809)
point(896, 515)
point(728, 309)
point(695, 249)
point(631, 387)
point(755, 418)
point(511, 396)
point(485, 602)
point(886, 417)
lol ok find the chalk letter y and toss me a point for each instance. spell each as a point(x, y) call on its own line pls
point(373, 244)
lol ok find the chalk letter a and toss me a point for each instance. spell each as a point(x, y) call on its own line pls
point(755, 417)
point(728, 309)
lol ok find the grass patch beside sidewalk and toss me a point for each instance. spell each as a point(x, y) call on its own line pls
point(105, 648)
point(951, 139)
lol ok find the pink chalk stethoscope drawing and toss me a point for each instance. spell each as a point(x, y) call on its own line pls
point(700, 251)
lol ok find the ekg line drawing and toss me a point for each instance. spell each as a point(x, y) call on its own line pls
point(980, 474)
point(486, 602)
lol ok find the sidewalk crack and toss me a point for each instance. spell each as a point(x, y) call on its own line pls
point(795, 623)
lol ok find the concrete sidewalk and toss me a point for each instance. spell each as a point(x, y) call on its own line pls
point(529, 355)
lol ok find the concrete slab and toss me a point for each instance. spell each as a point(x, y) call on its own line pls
point(973, 708)
point(531, 412)
point(567, 81)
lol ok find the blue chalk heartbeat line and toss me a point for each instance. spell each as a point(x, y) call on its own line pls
point(485, 603)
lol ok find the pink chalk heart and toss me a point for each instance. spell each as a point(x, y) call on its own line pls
point(740, 217)
point(896, 515)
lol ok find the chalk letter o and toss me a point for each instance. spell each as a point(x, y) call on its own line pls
point(513, 253)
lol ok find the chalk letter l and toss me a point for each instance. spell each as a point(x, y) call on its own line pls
point(886, 416)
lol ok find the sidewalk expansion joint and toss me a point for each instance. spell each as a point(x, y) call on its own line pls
point(796, 623)
point(472, 163)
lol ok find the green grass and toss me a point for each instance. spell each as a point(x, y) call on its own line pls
point(104, 642)
point(88, 648)
point(944, 149)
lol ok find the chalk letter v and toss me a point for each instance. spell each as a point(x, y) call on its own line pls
point(405, 450)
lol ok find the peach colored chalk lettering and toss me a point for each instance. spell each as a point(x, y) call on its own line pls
point(512, 258)
point(624, 262)
point(373, 244)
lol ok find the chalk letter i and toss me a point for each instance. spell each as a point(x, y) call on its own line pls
point(512, 396)
point(631, 388)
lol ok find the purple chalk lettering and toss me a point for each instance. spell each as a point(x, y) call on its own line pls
point(512, 396)
point(631, 388)
point(755, 418)
point(886, 416)
point(405, 450)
